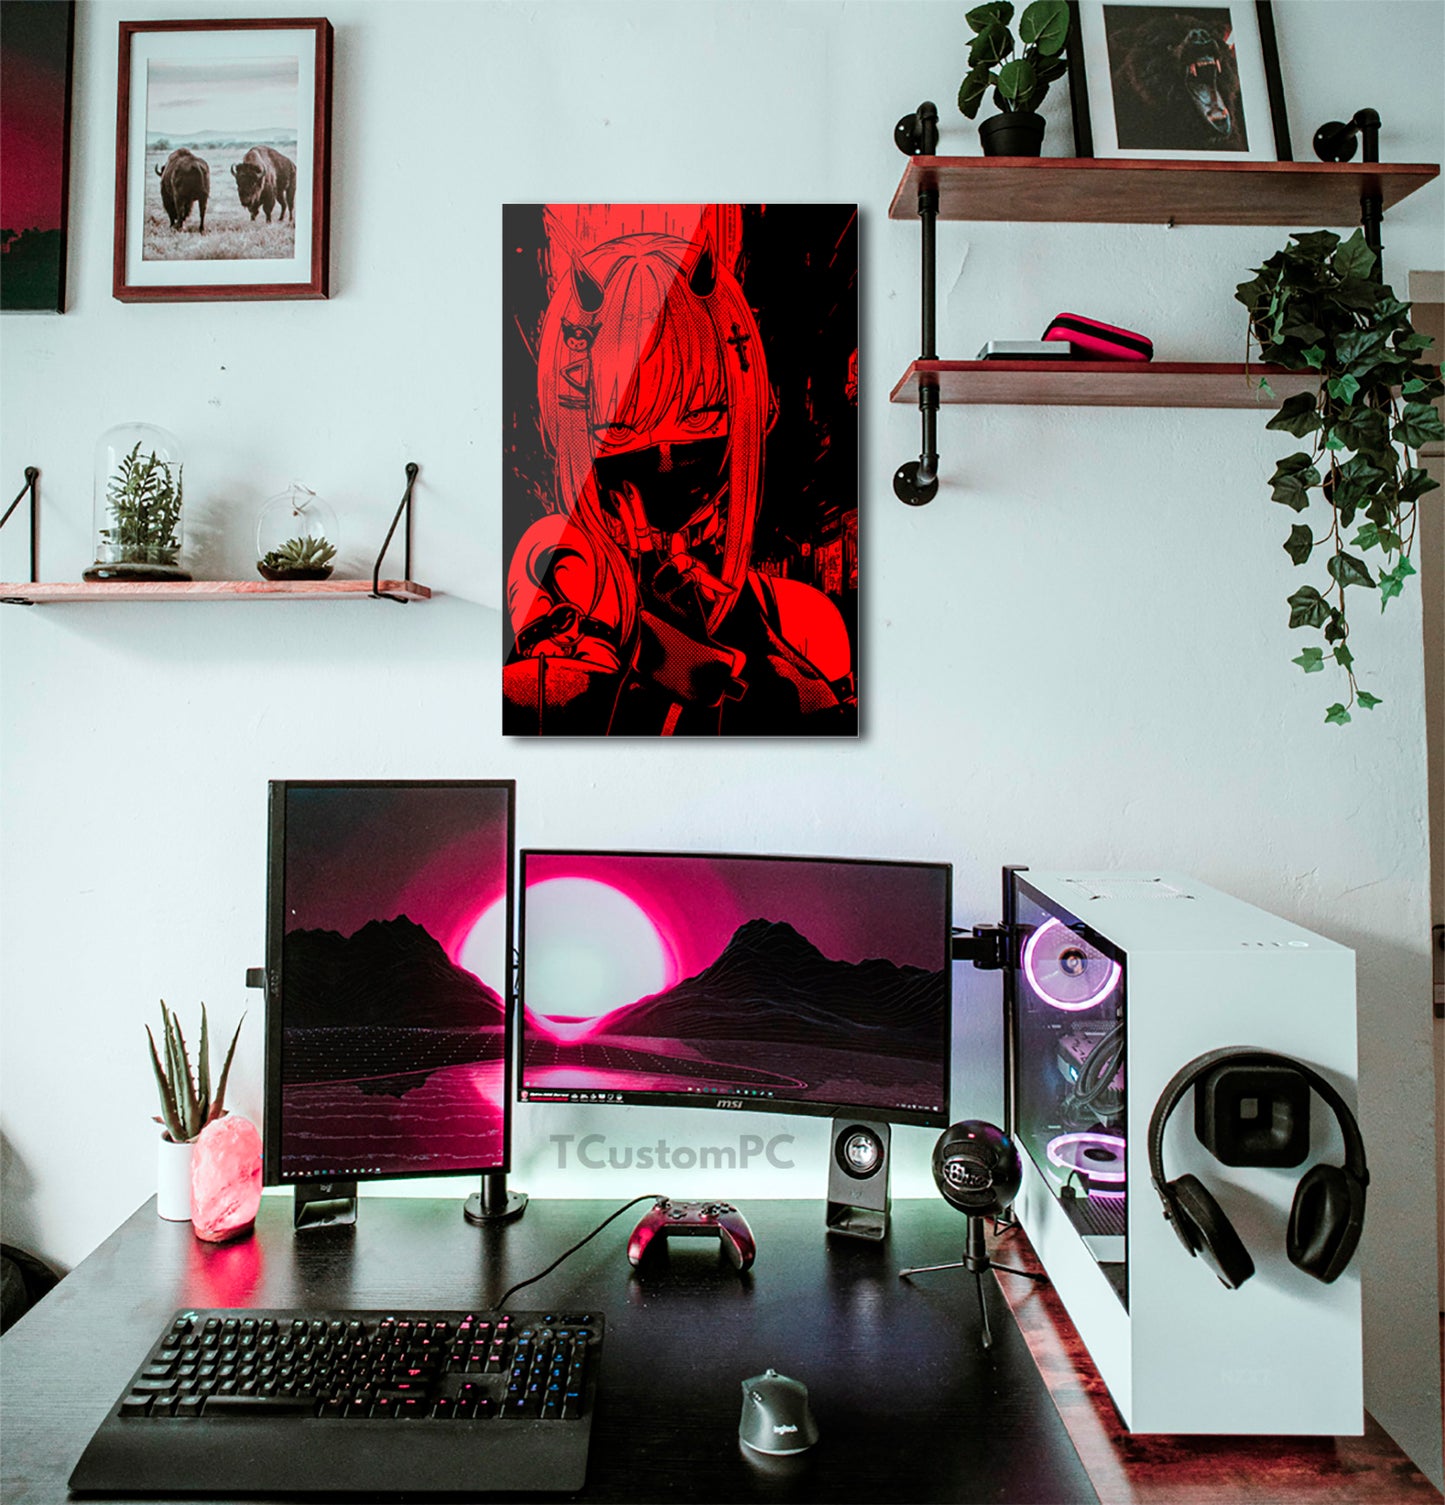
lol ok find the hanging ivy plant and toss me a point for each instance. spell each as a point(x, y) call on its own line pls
point(1318, 306)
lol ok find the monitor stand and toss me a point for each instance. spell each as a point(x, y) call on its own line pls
point(324, 1204)
point(494, 1203)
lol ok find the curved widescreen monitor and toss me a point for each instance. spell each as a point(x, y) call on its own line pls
point(790, 984)
point(388, 967)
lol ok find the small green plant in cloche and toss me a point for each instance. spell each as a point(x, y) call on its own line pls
point(143, 498)
point(298, 554)
point(187, 1102)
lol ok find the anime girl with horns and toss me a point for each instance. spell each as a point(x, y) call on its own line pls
point(634, 605)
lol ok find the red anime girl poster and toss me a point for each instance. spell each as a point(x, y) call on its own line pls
point(680, 474)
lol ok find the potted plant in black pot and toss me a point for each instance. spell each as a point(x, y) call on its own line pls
point(1018, 72)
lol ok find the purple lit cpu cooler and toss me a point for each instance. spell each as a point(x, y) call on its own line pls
point(1065, 970)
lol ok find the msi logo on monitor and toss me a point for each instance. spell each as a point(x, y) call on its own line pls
point(729, 1102)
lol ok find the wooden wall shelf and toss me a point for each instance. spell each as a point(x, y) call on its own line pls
point(1100, 384)
point(1130, 191)
point(21, 593)
point(1110, 191)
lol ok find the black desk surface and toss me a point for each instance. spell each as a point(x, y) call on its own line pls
point(909, 1406)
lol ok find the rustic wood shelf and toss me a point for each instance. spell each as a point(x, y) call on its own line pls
point(1114, 191)
point(22, 593)
point(1101, 384)
point(1132, 191)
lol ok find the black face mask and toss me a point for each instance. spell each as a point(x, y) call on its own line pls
point(672, 493)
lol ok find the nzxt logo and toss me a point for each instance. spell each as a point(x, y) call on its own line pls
point(730, 1102)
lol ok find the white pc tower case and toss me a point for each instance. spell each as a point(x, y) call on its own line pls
point(1118, 980)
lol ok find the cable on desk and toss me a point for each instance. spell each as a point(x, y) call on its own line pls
point(568, 1253)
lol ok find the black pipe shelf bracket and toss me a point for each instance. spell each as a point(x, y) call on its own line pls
point(403, 507)
point(32, 489)
point(1337, 141)
point(916, 482)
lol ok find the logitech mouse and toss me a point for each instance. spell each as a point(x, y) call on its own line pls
point(776, 1416)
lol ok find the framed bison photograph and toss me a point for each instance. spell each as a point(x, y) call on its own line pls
point(1192, 82)
point(222, 161)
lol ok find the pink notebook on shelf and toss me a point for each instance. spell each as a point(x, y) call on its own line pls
point(1093, 340)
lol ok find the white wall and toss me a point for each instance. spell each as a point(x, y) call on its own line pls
point(1075, 656)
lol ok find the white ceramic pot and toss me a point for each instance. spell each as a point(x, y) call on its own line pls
point(173, 1180)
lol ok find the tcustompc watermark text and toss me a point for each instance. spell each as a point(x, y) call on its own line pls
point(593, 1153)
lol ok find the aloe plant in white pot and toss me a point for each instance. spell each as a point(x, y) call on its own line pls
point(187, 1106)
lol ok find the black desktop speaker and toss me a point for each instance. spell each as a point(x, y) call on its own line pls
point(858, 1198)
point(977, 1168)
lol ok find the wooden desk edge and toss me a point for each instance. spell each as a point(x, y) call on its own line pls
point(1191, 1470)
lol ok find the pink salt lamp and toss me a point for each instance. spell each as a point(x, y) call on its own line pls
point(225, 1179)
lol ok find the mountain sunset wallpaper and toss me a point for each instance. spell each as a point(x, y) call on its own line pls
point(808, 983)
point(393, 976)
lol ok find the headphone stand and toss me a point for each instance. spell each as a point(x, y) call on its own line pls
point(976, 1259)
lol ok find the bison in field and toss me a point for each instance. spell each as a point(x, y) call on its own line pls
point(265, 178)
point(185, 180)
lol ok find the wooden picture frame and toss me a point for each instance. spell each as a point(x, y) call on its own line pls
point(1126, 104)
point(223, 160)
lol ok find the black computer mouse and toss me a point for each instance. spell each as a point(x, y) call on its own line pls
point(776, 1418)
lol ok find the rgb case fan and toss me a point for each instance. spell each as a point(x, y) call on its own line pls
point(1064, 969)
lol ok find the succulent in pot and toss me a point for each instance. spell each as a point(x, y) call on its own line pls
point(306, 558)
point(295, 535)
point(1019, 72)
point(187, 1103)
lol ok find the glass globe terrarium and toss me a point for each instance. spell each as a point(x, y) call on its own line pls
point(296, 536)
point(137, 504)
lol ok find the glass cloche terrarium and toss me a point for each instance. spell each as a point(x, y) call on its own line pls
point(137, 503)
point(296, 536)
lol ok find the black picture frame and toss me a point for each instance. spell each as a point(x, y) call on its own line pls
point(1084, 61)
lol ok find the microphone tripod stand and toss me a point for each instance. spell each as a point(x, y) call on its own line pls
point(976, 1259)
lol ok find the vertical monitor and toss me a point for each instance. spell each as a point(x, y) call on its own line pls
point(790, 984)
point(388, 979)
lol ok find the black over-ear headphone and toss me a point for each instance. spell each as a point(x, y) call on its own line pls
point(1329, 1203)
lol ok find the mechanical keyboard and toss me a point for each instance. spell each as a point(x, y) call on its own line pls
point(282, 1402)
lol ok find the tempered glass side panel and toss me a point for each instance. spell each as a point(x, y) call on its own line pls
point(1069, 1073)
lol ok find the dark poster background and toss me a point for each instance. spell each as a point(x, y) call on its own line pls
point(36, 38)
point(799, 270)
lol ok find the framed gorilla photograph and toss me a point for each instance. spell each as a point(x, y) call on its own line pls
point(1198, 82)
point(222, 160)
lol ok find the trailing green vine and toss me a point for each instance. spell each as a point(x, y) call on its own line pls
point(1318, 306)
